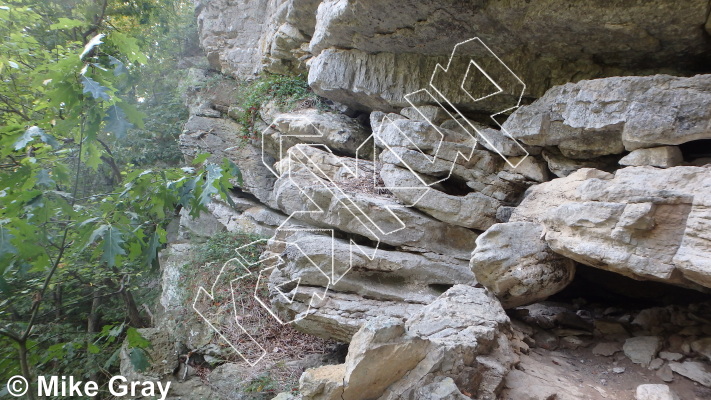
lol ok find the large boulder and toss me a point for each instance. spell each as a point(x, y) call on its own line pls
point(598, 117)
point(463, 336)
point(516, 264)
point(642, 222)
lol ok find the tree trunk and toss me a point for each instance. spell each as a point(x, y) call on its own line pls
point(57, 295)
point(93, 321)
point(92, 325)
point(25, 367)
point(134, 316)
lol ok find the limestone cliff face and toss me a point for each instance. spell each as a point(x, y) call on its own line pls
point(610, 169)
point(368, 54)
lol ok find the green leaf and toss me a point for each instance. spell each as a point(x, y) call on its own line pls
point(92, 155)
point(92, 348)
point(187, 191)
point(200, 158)
point(151, 250)
point(113, 359)
point(139, 359)
point(214, 173)
point(98, 233)
point(5, 246)
point(30, 135)
point(94, 88)
point(119, 67)
point(233, 169)
point(44, 180)
point(128, 46)
point(135, 340)
point(4, 287)
point(133, 114)
point(112, 246)
point(95, 41)
point(66, 23)
point(116, 122)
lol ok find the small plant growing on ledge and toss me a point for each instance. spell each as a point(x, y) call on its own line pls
point(289, 92)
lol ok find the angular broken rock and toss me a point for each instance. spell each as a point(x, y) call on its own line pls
point(462, 335)
point(703, 347)
point(353, 206)
point(489, 185)
point(340, 315)
point(367, 282)
point(380, 274)
point(562, 166)
point(593, 118)
point(606, 348)
point(651, 317)
point(474, 210)
point(642, 222)
point(694, 370)
point(440, 389)
point(669, 356)
point(515, 263)
point(655, 392)
point(662, 157)
point(323, 383)
point(642, 349)
point(665, 373)
point(535, 378)
point(337, 131)
point(656, 364)
point(433, 114)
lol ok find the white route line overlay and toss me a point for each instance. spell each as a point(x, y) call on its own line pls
point(296, 157)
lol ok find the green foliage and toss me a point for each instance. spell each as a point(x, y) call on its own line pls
point(82, 215)
point(286, 90)
point(261, 384)
point(221, 247)
point(136, 345)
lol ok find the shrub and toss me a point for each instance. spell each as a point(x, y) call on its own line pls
point(288, 91)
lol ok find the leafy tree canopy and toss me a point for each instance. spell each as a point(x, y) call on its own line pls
point(82, 217)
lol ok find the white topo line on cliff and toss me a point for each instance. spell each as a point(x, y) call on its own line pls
point(296, 163)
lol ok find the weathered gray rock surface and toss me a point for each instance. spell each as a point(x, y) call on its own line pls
point(222, 138)
point(349, 76)
point(363, 282)
point(340, 133)
point(598, 117)
point(351, 206)
point(462, 336)
point(643, 222)
point(371, 65)
point(662, 157)
point(515, 263)
point(649, 221)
